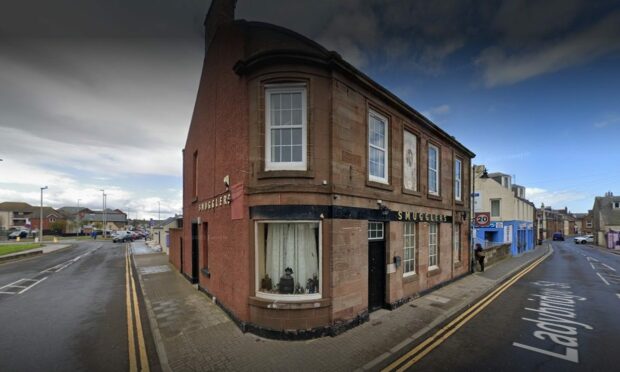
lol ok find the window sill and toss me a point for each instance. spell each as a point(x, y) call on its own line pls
point(411, 192)
point(285, 174)
point(434, 197)
point(411, 278)
point(194, 199)
point(459, 202)
point(458, 264)
point(433, 271)
point(379, 185)
point(288, 304)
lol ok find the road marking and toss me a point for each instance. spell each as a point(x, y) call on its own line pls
point(618, 294)
point(609, 267)
point(133, 317)
point(425, 347)
point(592, 259)
point(593, 268)
point(32, 285)
point(130, 336)
point(603, 279)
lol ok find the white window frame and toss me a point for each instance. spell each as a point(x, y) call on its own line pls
point(286, 88)
point(433, 253)
point(410, 234)
point(616, 205)
point(499, 207)
point(287, 297)
point(435, 169)
point(457, 242)
point(458, 180)
point(385, 149)
point(382, 230)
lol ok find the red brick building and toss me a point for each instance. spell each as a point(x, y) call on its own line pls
point(312, 195)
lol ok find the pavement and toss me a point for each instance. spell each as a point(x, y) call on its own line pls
point(193, 334)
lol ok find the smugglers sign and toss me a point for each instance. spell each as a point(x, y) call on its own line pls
point(214, 203)
point(422, 217)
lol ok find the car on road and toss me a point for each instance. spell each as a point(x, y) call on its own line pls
point(558, 236)
point(20, 233)
point(122, 236)
point(584, 239)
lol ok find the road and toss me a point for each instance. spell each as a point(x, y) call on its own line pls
point(67, 310)
point(560, 316)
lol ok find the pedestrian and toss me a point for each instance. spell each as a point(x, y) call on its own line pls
point(480, 256)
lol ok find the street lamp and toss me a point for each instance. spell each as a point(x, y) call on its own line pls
point(77, 233)
point(103, 211)
point(41, 219)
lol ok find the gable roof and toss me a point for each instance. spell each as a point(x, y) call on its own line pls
point(15, 207)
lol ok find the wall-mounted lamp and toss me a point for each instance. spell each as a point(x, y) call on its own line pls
point(397, 261)
point(385, 211)
point(227, 181)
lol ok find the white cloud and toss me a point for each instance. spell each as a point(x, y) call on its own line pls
point(437, 111)
point(502, 67)
point(557, 199)
point(609, 120)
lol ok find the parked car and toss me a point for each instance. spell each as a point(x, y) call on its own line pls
point(122, 236)
point(558, 236)
point(20, 233)
point(584, 239)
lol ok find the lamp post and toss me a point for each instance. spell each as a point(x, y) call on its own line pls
point(103, 211)
point(77, 233)
point(41, 217)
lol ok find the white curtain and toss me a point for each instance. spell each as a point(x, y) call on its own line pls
point(292, 245)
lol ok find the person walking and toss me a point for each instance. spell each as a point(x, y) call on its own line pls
point(480, 256)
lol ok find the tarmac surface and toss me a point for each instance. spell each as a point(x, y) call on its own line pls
point(193, 334)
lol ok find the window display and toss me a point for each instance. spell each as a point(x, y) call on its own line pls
point(288, 258)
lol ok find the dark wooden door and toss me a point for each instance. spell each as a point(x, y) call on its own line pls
point(195, 250)
point(376, 274)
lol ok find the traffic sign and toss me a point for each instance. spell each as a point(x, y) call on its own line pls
point(482, 219)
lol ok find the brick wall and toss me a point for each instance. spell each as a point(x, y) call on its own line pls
point(174, 255)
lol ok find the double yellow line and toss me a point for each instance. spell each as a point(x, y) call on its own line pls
point(421, 350)
point(133, 312)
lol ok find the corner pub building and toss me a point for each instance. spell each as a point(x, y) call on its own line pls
point(312, 196)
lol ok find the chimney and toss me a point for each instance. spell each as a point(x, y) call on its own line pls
point(220, 12)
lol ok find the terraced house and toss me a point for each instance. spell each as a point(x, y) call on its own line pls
point(312, 195)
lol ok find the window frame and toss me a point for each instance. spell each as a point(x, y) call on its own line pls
point(416, 162)
point(287, 297)
point(382, 237)
point(436, 254)
point(456, 238)
point(437, 169)
point(386, 149)
point(458, 189)
point(413, 248)
point(499, 207)
point(270, 89)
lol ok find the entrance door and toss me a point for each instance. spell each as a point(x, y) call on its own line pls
point(195, 250)
point(376, 266)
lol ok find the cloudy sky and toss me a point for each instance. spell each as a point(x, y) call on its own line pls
point(99, 94)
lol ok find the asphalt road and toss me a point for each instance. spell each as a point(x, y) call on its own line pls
point(561, 316)
point(71, 314)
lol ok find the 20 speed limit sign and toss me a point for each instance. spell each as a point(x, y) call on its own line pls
point(483, 218)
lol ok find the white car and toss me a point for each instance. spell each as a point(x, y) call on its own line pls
point(584, 239)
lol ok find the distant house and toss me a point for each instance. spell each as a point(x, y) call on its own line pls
point(75, 218)
point(511, 215)
point(115, 219)
point(583, 223)
point(15, 214)
point(50, 216)
point(160, 233)
point(606, 220)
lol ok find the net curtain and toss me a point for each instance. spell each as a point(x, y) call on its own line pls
point(292, 245)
